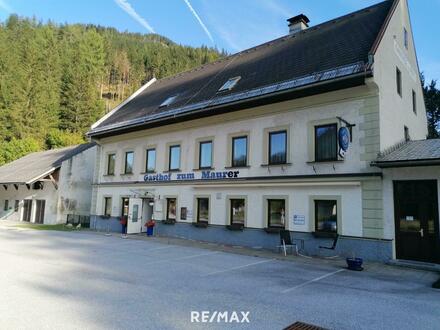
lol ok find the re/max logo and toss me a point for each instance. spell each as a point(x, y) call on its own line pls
point(219, 317)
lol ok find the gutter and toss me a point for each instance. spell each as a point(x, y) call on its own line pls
point(406, 163)
point(279, 94)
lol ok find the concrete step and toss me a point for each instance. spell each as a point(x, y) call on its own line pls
point(415, 265)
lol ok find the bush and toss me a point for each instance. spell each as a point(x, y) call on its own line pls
point(59, 139)
point(14, 149)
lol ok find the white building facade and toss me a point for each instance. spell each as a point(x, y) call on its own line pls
point(300, 161)
point(46, 187)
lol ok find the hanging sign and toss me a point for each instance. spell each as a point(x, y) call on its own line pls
point(344, 140)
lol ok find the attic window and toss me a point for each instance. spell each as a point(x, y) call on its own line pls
point(168, 101)
point(229, 84)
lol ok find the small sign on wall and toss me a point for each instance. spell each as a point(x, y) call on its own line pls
point(299, 220)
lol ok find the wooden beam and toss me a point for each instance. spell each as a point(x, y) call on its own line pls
point(55, 184)
point(28, 186)
point(16, 186)
point(5, 186)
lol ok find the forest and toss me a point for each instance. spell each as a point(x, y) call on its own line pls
point(58, 79)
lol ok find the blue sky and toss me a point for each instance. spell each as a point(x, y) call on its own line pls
point(228, 24)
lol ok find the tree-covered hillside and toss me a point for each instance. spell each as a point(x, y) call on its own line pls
point(56, 80)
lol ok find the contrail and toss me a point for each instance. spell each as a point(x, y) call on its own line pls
point(130, 11)
point(200, 21)
point(5, 6)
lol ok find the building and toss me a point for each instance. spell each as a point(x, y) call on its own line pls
point(45, 187)
point(279, 136)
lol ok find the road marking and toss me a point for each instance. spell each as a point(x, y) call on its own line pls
point(239, 267)
point(313, 281)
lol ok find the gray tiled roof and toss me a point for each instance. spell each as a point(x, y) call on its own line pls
point(31, 167)
point(344, 42)
point(412, 151)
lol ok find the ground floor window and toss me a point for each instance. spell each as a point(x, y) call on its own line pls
point(202, 209)
point(16, 205)
point(107, 206)
point(124, 210)
point(6, 207)
point(27, 210)
point(276, 213)
point(326, 216)
point(237, 209)
point(171, 209)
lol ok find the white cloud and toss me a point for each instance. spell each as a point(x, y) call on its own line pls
point(5, 7)
point(125, 6)
point(208, 33)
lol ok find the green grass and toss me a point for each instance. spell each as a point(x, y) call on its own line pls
point(48, 227)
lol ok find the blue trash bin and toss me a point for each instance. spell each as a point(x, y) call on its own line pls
point(150, 231)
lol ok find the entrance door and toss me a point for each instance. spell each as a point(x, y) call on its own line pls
point(147, 212)
point(134, 223)
point(417, 223)
point(27, 210)
point(39, 214)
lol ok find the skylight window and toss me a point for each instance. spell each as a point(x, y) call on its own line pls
point(168, 101)
point(229, 84)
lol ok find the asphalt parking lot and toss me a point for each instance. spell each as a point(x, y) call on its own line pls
point(81, 280)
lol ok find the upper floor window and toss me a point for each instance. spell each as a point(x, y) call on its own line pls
point(326, 143)
point(174, 158)
point(205, 154)
point(111, 160)
point(399, 81)
point(326, 216)
point(129, 160)
point(414, 101)
point(239, 151)
point(278, 147)
point(150, 165)
point(405, 37)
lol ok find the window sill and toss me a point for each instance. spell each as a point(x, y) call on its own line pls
point(126, 174)
point(323, 234)
point(236, 167)
point(169, 222)
point(200, 224)
point(273, 230)
point(171, 171)
point(276, 165)
point(108, 175)
point(204, 169)
point(235, 227)
point(154, 172)
point(325, 161)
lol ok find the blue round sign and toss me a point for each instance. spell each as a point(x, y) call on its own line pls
point(344, 138)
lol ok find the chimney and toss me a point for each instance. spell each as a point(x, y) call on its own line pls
point(298, 23)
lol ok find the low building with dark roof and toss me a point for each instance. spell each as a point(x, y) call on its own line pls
point(278, 137)
point(48, 186)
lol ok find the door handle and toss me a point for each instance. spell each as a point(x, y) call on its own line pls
point(421, 232)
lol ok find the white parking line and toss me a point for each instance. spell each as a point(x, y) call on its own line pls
point(312, 281)
point(239, 267)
